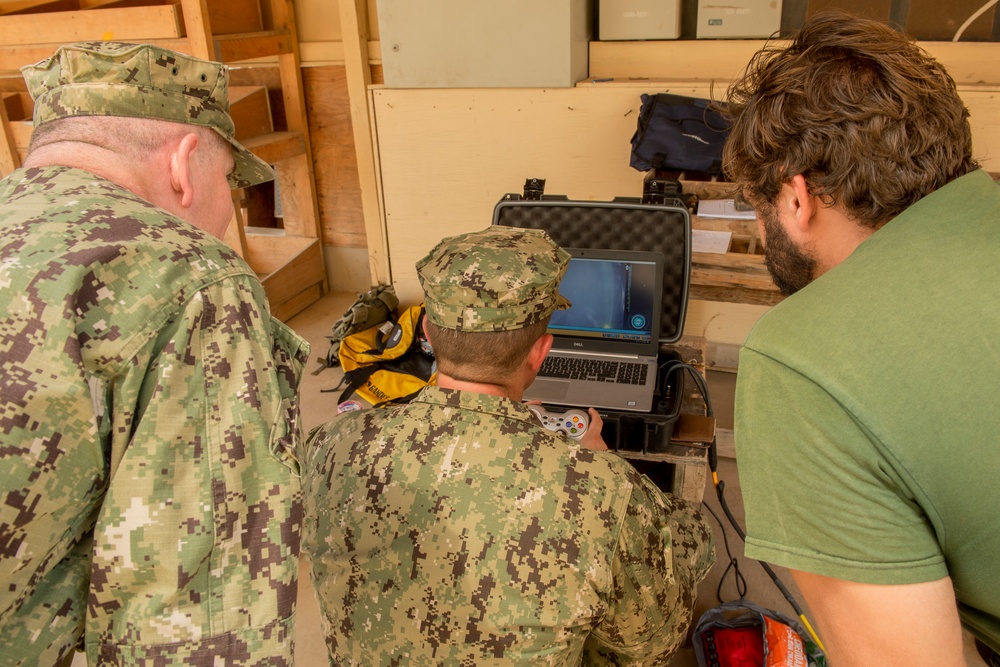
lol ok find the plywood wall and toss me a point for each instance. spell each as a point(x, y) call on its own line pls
point(443, 168)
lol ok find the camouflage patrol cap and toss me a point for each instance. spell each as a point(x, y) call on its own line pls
point(497, 279)
point(144, 81)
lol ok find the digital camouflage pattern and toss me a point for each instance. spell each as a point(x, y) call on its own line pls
point(497, 279)
point(457, 530)
point(148, 422)
point(144, 81)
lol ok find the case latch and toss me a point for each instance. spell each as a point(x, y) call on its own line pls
point(666, 191)
point(534, 188)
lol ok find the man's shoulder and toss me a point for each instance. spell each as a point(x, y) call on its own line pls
point(82, 219)
point(422, 425)
point(118, 259)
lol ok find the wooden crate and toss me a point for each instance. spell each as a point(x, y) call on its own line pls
point(739, 275)
point(681, 467)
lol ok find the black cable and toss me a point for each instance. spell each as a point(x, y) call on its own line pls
point(734, 565)
point(670, 366)
point(676, 412)
point(720, 487)
point(713, 466)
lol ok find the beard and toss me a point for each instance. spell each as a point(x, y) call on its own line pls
point(791, 268)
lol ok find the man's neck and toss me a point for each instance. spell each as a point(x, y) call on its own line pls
point(447, 382)
point(97, 160)
point(836, 236)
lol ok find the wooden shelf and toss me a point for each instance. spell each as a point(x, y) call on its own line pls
point(277, 146)
point(288, 259)
point(230, 48)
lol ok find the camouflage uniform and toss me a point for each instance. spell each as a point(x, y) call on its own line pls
point(456, 530)
point(148, 418)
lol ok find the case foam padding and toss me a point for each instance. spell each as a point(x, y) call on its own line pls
point(616, 226)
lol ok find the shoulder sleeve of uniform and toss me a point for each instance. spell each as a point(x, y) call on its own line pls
point(197, 544)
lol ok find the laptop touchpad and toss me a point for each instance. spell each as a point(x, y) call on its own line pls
point(549, 389)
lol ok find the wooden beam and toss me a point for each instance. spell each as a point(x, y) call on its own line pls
point(723, 60)
point(296, 175)
point(730, 294)
point(244, 46)
point(21, 6)
point(126, 24)
point(332, 53)
point(354, 33)
point(277, 146)
point(705, 60)
point(9, 158)
point(15, 56)
point(198, 28)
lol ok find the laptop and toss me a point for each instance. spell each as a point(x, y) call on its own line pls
point(604, 352)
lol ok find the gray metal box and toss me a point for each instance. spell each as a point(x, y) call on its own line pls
point(484, 44)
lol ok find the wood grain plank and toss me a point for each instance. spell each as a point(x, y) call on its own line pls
point(126, 24)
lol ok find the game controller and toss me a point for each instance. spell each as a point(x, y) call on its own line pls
point(573, 423)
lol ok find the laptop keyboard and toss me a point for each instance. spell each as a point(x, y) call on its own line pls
point(573, 368)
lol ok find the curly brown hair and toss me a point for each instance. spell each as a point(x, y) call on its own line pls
point(870, 119)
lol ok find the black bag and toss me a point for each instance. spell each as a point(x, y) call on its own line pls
point(678, 133)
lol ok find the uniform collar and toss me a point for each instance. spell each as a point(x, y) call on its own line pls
point(468, 400)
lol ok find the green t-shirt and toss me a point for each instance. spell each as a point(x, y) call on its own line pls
point(866, 411)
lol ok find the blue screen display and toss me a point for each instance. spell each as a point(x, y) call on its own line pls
point(611, 299)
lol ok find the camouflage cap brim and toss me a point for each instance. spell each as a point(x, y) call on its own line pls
point(250, 169)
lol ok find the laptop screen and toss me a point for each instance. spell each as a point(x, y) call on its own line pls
point(616, 298)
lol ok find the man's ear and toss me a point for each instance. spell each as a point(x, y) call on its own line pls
point(539, 350)
point(423, 326)
point(181, 177)
point(798, 203)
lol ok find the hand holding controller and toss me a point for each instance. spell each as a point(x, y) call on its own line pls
point(573, 423)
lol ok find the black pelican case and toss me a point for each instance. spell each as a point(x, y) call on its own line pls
point(656, 221)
